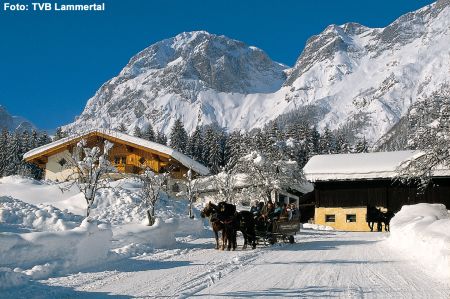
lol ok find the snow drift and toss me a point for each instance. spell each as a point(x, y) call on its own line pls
point(50, 252)
point(38, 240)
point(422, 232)
point(19, 216)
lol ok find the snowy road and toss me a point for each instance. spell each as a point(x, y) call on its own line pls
point(320, 264)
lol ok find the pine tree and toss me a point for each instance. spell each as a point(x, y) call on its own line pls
point(34, 139)
point(215, 154)
point(327, 144)
point(234, 148)
point(161, 138)
point(59, 134)
point(342, 144)
point(137, 132)
point(312, 142)
point(13, 152)
point(361, 146)
point(44, 139)
point(25, 142)
point(178, 136)
point(208, 140)
point(4, 137)
point(148, 133)
point(121, 128)
point(195, 145)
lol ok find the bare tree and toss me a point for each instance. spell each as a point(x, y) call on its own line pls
point(153, 185)
point(90, 167)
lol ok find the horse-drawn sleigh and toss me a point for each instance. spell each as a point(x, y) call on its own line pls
point(226, 219)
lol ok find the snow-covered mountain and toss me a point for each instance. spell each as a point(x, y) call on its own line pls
point(361, 79)
point(14, 123)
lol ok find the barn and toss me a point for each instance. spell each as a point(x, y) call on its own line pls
point(345, 184)
point(129, 155)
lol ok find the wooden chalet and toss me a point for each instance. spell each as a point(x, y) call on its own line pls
point(345, 184)
point(129, 154)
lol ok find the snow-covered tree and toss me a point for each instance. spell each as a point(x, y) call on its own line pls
point(178, 136)
point(121, 128)
point(430, 133)
point(215, 153)
point(225, 182)
point(59, 134)
point(4, 136)
point(270, 175)
point(13, 155)
point(44, 139)
point(361, 146)
point(194, 146)
point(152, 186)
point(161, 138)
point(148, 133)
point(191, 190)
point(137, 132)
point(312, 142)
point(342, 144)
point(34, 139)
point(90, 168)
point(327, 143)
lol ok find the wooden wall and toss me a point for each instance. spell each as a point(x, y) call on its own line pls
point(128, 159)
point(380, 193)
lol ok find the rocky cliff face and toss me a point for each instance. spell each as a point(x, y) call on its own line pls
point(14, 123)
point(359, 78)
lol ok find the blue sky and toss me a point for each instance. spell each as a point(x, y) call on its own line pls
point(52, 63)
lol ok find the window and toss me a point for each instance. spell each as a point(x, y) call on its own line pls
point(175, 188)
point(351, 218)
point(62, 162)
point(142, 160)
point(120, 160)
point(330, 218)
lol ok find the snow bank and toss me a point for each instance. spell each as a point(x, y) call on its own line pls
point(18, 216)
point(46, 253)
point(42, 192)
point(10, 278)
point(316, 226)
point(135, 238)
point(422, 232)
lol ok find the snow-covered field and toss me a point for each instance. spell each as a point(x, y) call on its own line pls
point(48, 251)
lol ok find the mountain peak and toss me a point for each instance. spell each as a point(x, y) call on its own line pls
point(208, 61)
point(351, 78)
point(13, 123)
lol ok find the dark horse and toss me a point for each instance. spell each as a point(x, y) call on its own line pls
point(247, 227)
point(228, 216)
point(387, 216)
point(242, 221)
point(376, 215)
point(211, 211)
point(224, 218)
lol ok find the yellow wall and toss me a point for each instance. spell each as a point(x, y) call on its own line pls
point(340, 218)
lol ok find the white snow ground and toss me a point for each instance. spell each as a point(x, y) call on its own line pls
point(44, 253)
point(321, 264)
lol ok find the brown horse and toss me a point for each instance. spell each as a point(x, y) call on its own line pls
point(211, 211)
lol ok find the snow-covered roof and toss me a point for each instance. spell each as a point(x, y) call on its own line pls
point(176, 155)
point(380, 165)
